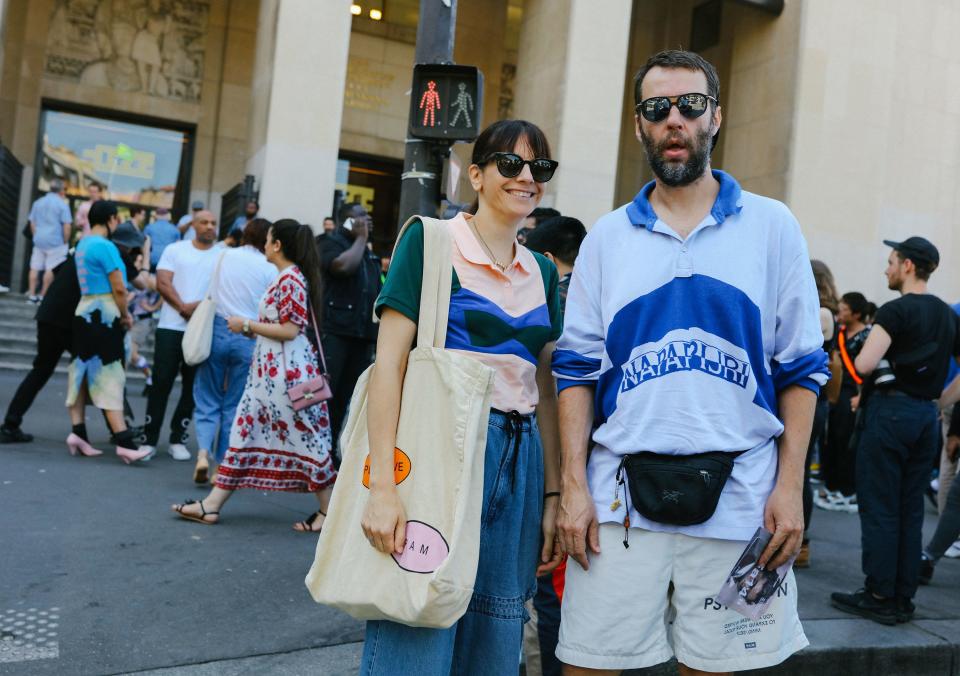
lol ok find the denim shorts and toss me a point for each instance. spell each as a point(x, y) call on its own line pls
point(487, 639)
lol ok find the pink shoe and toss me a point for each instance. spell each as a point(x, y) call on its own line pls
point(129, 455)
point(78, 446)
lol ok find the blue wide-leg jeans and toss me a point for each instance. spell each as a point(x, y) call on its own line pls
point(218, 386)
point(487, 639)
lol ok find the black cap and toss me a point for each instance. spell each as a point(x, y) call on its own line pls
point(127, 235)
point(917, 249)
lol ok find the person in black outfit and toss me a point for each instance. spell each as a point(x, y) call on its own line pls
point(351, 286)
point(840, 481)
point(917, 334)
point(55, 334)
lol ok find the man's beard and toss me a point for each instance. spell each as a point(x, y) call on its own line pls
point(894, 283)
point(671, 173)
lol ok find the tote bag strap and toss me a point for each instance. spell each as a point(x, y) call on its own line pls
point(437, 280)
point(215, 280)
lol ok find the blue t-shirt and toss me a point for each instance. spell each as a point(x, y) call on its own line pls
point(96, 258)
point(162, 233)
point(49, 213)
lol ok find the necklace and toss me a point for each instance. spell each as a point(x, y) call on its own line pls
point(502, 266)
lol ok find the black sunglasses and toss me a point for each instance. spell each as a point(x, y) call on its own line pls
point(691, 106)
point(510, 165)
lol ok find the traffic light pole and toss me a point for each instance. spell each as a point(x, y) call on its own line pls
point(423, 160)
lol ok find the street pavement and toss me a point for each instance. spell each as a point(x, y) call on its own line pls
point(97, 576)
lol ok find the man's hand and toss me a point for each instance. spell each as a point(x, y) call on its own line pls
point(577, 523)
point(359, 229)
point(953, 445)
point(186, 310)
point(550, 555)
point(235, 324)
point(854, 403)
point(783, 516)
point(127, 322)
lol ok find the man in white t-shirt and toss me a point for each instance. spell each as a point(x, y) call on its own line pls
point(183, 275)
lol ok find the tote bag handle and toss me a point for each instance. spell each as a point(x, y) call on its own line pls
point(437, 279)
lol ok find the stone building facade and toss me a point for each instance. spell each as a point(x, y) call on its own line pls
point(844, 110)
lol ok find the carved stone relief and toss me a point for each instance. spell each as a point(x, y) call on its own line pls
point(153, 47)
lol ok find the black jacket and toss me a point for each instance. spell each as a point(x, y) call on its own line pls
point(348, 299)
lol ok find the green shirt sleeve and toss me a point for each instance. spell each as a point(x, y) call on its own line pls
point(551, 286)
point(401, 290)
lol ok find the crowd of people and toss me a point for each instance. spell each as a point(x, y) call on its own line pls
point(645, 348)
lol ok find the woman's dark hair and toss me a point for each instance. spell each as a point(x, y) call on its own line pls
point(502, 137)
point(869, 312)
point(300, 248)
point(857, 303)
point(255, 233)
point(826, 288)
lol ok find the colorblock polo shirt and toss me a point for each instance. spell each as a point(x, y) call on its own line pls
point(502, 318)
point(688, 343)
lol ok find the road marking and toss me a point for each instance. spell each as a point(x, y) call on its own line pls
point(30, 634)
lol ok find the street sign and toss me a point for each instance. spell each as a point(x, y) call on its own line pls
point(446, 102)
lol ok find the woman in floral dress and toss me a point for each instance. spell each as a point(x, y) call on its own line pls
point(272, 446)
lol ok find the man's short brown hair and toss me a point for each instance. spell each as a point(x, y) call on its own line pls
point(676, 58)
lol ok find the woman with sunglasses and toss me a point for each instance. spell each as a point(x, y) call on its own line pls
point(504, 311)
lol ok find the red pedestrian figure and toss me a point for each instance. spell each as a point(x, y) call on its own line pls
point(429, 103)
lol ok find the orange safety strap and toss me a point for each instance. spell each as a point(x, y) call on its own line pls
point(845, 356)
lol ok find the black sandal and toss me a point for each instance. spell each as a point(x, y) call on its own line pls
point(306, 526)
point(203, 513)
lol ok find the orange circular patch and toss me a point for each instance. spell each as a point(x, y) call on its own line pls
point(401, 467)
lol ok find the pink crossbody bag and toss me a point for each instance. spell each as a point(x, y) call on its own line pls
point(315, 390)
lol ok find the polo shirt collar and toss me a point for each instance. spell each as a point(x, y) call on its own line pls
point(473, 251)
point(641, 213)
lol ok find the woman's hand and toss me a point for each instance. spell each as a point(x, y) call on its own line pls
point(855, 403)
point(550, 555)
point(384, 520)
point(235, 324)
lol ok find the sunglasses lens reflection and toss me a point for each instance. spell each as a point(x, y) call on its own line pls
point(692, 105)
point(542, 170)
point(509, 165)
point(657, 109)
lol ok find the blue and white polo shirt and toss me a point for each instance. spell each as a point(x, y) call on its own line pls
point(689, 341)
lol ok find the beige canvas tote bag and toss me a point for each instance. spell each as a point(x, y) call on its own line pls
point(439, 459)
point(198, 337)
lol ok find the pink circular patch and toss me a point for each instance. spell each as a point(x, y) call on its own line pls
point(423, 550)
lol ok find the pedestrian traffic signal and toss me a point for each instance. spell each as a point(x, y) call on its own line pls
point(445, 102)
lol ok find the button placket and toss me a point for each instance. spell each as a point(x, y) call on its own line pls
point(684, 266)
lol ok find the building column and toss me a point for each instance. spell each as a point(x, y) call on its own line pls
point(571, 85)
point(298, 83)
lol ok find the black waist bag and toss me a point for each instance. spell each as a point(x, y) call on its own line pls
point(681, 490)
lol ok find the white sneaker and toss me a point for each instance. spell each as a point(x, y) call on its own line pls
point(153, 452)
point(826, 500)
point(954, 551)
point(848, 504)
point(4, 289)
point(178, 452)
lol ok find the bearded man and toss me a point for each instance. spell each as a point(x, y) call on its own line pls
point(690, 361)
